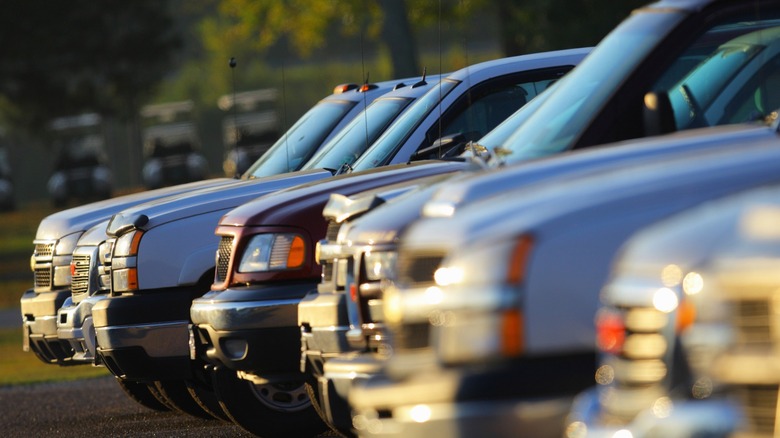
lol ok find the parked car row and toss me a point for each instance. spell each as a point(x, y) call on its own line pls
point(432, 262)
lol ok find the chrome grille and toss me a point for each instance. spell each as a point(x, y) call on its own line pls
point(752, 320)
point(44, 250)
point(223, 257)
point(332, 233)
point(760, 404)
point(43, 277)
point(410, 336)
point(80, 274)
point(418, 269)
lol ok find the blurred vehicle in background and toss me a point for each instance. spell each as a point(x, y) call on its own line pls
point(685, 327)
point(249, 127)
point(171, 144)
point(7, 194)
point(81, 172)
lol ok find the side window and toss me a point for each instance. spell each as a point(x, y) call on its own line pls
point(483, 108)
point(726, 76)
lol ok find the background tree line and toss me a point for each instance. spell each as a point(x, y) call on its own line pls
point(113, 56)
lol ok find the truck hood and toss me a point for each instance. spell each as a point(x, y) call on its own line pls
point(285, 207)
point(95, 235)
point(85, 216)
point(469, 188)
point(385, 223)
point(165, 210)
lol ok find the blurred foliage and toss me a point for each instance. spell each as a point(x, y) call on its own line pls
point(113, 56)
point(67, 57)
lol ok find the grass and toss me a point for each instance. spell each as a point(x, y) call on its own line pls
point(17, 366)
point(20, 367)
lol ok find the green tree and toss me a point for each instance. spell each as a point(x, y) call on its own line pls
point(529, 26)
point(66, 57)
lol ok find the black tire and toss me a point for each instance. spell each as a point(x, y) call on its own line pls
point(272, 410)
point(143, 394)
point(178, 396)
point(207, 400)
point(315, 402)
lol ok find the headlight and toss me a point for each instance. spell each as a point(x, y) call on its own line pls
point(127, 244)
point(67, 244)
point(124, 271)
point(502, 262)
point(273, 252)
point(380, 265)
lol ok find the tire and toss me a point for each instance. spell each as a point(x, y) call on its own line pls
point(271, 410)
point(207, 400)
point(178, 396)
point(313, 396)
point(143, 394)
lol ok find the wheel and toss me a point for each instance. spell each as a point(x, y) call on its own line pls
point(143, 394)
point(178, 396)
point(206, 399)
point(315, 402)
point(271, 410)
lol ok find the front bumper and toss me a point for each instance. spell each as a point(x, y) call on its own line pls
point(324, 325)
point(75, 326)
point(676, 419)
point(252, 329)
point(39, 326)
point(454, 403)
point(144, 337)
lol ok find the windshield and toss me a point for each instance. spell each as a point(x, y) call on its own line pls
point(582, 93)
point(295, 147)
point(393, 138)
point(356, 137)
point(501, 133)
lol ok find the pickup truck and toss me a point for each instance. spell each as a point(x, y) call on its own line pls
point(513, 356)
point(483, 93)
point(345, 326)
point(58, 234)
point(705, 352)
point(189, 250)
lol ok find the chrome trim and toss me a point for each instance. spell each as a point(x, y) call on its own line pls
point(246, 314)
point(330, 251)
point(124, 262)
point(42, 325)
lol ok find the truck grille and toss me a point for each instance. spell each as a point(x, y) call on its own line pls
point(760, 404)
point(223, 257)
point(43, 277)
point(410, 336)
point(418, 269)
point(80, 274)
point(332, 233)
point(752, 322)
point(44, 250)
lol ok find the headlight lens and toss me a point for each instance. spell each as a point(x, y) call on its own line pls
point(127, 244)
point(380, 265)
point(273, 252)
point(501, 262)
point(67, 244)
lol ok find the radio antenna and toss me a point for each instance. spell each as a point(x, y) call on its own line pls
point(232, 63)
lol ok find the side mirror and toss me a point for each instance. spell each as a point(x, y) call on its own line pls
point(445, 147)
point(658, 114)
